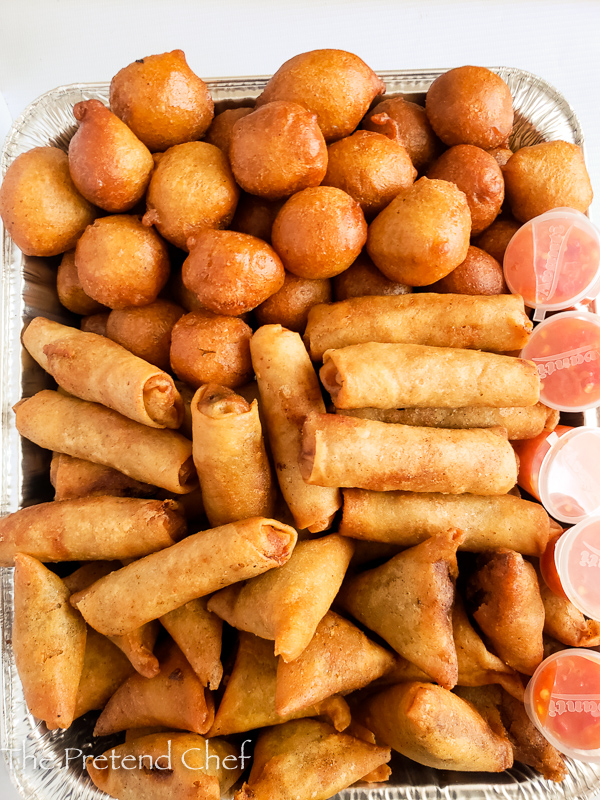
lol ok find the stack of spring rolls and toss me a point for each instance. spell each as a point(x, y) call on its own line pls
point(376, 563)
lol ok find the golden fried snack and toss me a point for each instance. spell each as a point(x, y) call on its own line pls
point(290, 305)
point(95, 323)
point(94, 433)
point(138, 646)
point(565, 622)
point(494, 240)
point(406, 123)
point(289, 391)
point(230, 456)
point(432, 726)
point(278, 150)
point(336, 85)
point(408, 601)
point(423, 234)
point(479, 274)
point(379, 375)
point(94, 368)
point(495, 323)
point(501, 154)
point(255, 216)
point(287, 605)
point(339, 659)
point(209, 349)
point(363, 278)
point(508, 608)
point(192, 187)
point(48, 638)
point(68, 287)
point(369, 167)
point(197, 566)
point(470, 105)
point(477, 174)
point(74, 477)
point(545, 176)
point(162, 100)
point(121, 263)
point(108, 163)
point(231, 273)
point(42, 210)
point(105, 668)
point(319, 232)
point(198, 634)
point(145, 331)
point(339, 451)
point(174, 698)
point(221, 128)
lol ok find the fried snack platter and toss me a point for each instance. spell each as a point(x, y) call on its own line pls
point(28, 292)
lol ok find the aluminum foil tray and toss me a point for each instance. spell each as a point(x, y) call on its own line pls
point(37, 757)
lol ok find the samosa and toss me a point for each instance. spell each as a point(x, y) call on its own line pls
point(565, 622)
point(105, 668)
point(198, 633)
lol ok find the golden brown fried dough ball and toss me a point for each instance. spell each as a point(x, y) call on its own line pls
point(121, 262)
point(278, 150)
point(289, 306)
point(371, 168)
point(494, 240)
point(363, 278)
point(319, 232)
point(206, 348)
point(255, 215)
point(145, 331)
point(338, 86)
point(221, 127)
point(407, 124)
point(95, 323)
point(231, 272)
point(501, 154)
point(423, 234)
point(479, 273)
point(477, 174)
point(545, 176)
point(108, 163)
point(470, 105)
point(68, 287)
point(162, 100)
point(42, 210)
point(191, 188)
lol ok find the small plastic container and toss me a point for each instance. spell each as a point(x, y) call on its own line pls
point(566, 351)
point(553, 261)
point(562, 700)
point(577, 562)
point(561, 470)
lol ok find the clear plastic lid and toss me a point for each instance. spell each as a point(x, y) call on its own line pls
point(577, 560)
point(553, 261)
point(566, 351)
point(562, 700)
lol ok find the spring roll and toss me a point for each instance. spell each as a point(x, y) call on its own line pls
point(230, 457)
point(95, 433)
point(90, 529)
point(496, 323)
point(99, 370)
point(199, 565)
point(105, 668)
point(407, 518)
point(359, 453)
point(198, 633)
point(74, 477)
point(526, 422)
point(289, 391)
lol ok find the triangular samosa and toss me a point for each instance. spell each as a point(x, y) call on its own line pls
point(198, 633)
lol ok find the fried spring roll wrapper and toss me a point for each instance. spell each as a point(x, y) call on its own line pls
point(174, 698)
point(407, 518)
point(90, 528)
point(198, 633)
point(308, 760)
point(496, 323)
point(383, 772)
point(195, 567)
point(230, 457)
point(105, 668)
point(94, 433)
point(287, 604)
point(415, 376)
point(249, 699)
point(74, 477)
point(508, 608)
point(339, 659)
point(48, 638)
point(97, 369)
point(526, 422)
point(564, 622)
point(434, 727)
point(289, 391)
point(359, 453)
point(408, 602)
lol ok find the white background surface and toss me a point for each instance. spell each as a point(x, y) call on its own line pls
point(45, 43)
